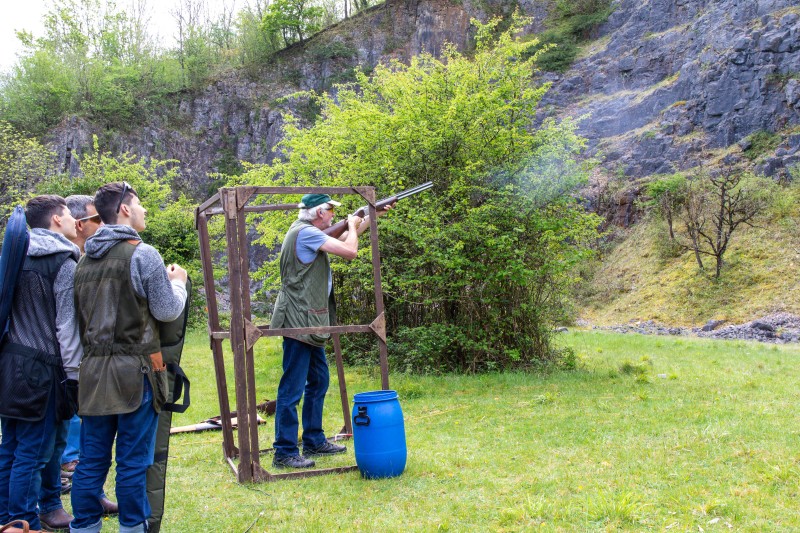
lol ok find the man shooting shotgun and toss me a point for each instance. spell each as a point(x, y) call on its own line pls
point(306, 301)
point(336, 230)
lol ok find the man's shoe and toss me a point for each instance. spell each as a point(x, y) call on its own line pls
point(109, 508)
point(292, 461)
point(70, 466)
point(66, 486)
point(326, 448)
point(66, 475)
point(56, 520)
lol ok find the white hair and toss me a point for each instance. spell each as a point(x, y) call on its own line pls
point(310, 213)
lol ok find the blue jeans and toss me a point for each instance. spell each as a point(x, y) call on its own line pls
point(50, 492)
point(72, 450)
point(303, 365)
point(136, 436)
point(25, 450)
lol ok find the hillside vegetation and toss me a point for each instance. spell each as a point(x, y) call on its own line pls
point(640, 277)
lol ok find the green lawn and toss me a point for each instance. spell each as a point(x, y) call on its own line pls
point(651, 433)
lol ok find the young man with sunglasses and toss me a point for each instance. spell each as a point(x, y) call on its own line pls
point(122, 291)
point(58, 472)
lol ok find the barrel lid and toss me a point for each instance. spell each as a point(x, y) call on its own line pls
point(375, 396)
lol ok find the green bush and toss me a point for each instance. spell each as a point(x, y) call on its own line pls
point(571, 23)
point(761, 143)
point(476, 270)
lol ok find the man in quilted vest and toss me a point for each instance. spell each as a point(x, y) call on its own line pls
point(122, 290)
point(306, 300)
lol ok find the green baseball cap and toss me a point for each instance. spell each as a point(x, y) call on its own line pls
point(313, 200)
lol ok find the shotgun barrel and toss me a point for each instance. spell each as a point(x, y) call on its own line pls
point(340, 227)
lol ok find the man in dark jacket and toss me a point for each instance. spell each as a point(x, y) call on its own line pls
point(122, 290)
point(41, 351)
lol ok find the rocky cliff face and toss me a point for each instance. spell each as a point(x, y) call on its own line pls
point(666, 85)
point(669, 81)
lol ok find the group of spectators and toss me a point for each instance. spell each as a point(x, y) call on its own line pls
point(83, 340)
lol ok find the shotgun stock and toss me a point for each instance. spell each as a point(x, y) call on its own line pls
point(340, 227)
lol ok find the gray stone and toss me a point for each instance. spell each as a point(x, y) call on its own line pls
point(763, 326)
point(711, 325)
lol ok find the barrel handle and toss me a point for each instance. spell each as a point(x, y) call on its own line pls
point(361, 419)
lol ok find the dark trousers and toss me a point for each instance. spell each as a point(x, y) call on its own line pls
point(305, 375)
point(24, 452)
point(50, 492)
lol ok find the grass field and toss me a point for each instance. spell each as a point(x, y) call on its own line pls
point(651, 433)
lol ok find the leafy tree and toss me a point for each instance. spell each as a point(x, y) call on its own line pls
point(476, 272)
point(23, 163)
point(295, 20)
point(667, 193)
point(92, 59)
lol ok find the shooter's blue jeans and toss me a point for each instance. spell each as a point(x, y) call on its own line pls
point(136, 437)
point(303, 365)
point(25, 450)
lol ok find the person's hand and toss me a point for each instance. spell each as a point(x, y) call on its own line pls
point(174, 272)
point(353, 221)
point(386, 209)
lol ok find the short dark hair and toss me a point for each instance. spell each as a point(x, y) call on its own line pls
point(107, 199)
point(39, 210)
point(77, 204)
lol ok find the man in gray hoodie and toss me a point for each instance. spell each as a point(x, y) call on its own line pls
point(40, 354)
point(67, 440)
point(122, 291)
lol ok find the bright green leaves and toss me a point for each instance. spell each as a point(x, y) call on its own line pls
point(476, 270)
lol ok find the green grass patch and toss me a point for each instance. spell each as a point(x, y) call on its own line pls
point(761, 143)
point(713, 446)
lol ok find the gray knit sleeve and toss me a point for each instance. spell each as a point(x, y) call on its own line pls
point(149, 276)
point(66, 322)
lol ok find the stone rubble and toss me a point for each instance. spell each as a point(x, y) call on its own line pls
point(778, 328)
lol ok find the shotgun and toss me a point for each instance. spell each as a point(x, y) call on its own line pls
point(340, 227)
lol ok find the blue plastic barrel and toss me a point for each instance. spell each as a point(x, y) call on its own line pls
point(379, 434)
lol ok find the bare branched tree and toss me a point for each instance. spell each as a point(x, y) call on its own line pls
point(716, 205)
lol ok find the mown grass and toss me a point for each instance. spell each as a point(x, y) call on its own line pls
point(651, 433)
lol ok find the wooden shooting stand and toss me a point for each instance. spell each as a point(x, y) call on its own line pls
point(233, 203)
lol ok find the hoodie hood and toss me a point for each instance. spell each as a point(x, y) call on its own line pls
point(45, 242)
point(106, 237)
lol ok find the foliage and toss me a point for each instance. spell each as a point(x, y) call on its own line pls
point(760, 143)
point(92, 59)
point(667, 193)
point(170, 219)
point(484, 258)
point(572, 22)
point(294, 20)
point(100, 61)
point(23, 163)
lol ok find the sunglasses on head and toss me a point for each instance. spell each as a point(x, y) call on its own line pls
point(125, 189)
point(93, 218)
